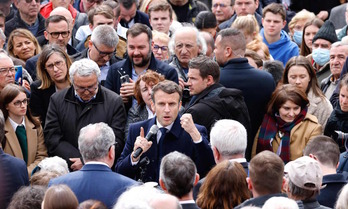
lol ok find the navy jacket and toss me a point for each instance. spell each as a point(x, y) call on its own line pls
point(124, 67)
point(257, 87)
point(177, 139)
point(95, 181)
point(13, 175)
point(140, 17)
point(334, 183)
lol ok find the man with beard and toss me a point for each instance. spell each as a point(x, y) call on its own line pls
point(122, 75)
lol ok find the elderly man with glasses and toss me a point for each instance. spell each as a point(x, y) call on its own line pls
point(85, 102)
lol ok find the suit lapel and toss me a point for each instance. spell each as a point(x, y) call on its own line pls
point(12, 146)
point(32, 139)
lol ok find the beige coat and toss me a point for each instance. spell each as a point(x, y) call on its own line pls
point(299, 137)
point(36, 147)
point(320, 107)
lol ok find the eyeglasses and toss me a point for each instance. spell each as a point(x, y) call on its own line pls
point(163, 48)
point(58, 64)
point(89, 89)
point(94, 1)
point(221, 5)
point(6, 71)
point(103, 54)
point(56, 34)
point(29, 1)
point(18, 103)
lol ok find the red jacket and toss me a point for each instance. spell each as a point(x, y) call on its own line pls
point(46, 10)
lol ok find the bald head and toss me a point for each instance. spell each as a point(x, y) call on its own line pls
point(65, 13)
point(165, 201)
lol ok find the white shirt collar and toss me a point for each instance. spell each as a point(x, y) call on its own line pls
point(96, 163)
point(14, 124)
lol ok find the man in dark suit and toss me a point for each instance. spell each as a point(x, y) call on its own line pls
point(13, 172)
point(101, 49)
point(176, 134)
point(256, 85)
point(57, 32)
point(129, 14)
point(96, 180)
point(178, 175)
point(228, 140)
point(140, 59)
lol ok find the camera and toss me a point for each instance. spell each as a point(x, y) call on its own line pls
point(124, 79)
point(186, 93)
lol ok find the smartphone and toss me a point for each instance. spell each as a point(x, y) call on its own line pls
point(124, 79)
point(19, 74)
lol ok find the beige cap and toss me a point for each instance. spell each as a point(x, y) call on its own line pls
point(305, 173)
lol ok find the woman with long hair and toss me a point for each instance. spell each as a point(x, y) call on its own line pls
point(23, 132)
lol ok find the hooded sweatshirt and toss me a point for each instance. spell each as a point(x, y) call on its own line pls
point(283, 49)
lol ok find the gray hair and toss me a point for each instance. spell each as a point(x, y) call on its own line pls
point(186, 29)
point(229, 137)
point(342, 200)
point(105, 35)
point(144, 194)
point(84, 67)
point(178, 173)
point(54, 164)
point(95, 141)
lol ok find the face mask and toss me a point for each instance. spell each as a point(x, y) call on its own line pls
point(321, 56)
point(297, 37)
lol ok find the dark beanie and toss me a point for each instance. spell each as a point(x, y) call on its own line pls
point(327, 32)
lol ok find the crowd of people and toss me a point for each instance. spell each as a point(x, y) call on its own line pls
point(170, 104)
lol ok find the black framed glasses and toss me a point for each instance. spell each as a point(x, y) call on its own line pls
point(57, 34)
point(6, 71)
point(163, 48)
point(91, 89)
point(18, 103)
point(103, 54)
point(59, 64)
point(221, 5)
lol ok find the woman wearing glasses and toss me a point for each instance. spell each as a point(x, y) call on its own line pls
point(23, 133)
point(22, 44)
point(53, 76)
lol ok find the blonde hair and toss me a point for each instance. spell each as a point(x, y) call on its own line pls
point(302, 15)
point(160, 36)
point(248, 25)
point(259, 45)
point(20, 32)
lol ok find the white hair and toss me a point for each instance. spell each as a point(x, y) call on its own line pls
point(83, 67)
point(342, 200)
point(54, 164)
point(280, 203)
point(229, 137)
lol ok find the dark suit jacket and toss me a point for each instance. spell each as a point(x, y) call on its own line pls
point(140, 17)
point(124, 67)
point(30, 64)
point(40, 99)
point(189, 206)
point(177, 139)
point(257, 87)
point(13, 175)
point(95, 181)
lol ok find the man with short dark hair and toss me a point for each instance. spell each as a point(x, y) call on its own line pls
point(273, 21)
point(266, 171)
point(243, 8)
point(230, 48)
point(96, 180)
point(178, 175)
point(325, 151)
point(57, 32)
point(212, 98)
point(175, 134)
point(85, 102)
point(187, 10)
point(27, 17)
point(140, 59)
point(129, 14)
